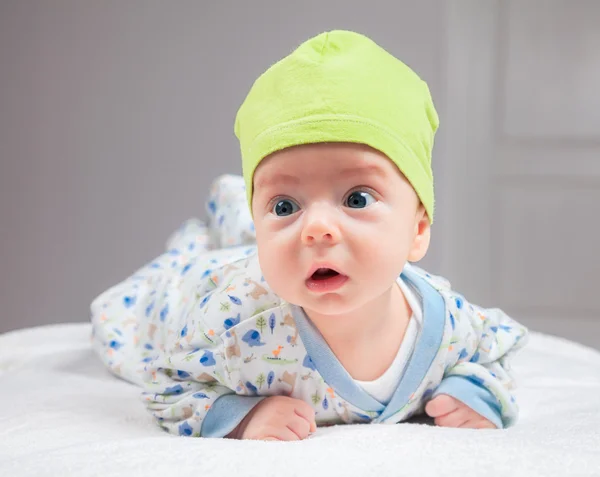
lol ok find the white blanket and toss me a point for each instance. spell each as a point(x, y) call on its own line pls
point(62, 414)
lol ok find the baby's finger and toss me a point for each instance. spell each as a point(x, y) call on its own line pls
point(306, 411)
point(286, 434)
point(455, 418)
point(441, 405)
point(478, 423)
point(299, 426)
point(280, 434)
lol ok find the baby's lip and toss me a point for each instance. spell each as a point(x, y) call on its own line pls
point(320, 266)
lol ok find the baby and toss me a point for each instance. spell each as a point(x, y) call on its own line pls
point(306, 312)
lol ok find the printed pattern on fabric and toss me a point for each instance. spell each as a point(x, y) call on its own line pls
point(200, 322)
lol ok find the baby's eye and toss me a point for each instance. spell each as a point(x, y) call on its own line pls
point(359, 200)
point(285, 207)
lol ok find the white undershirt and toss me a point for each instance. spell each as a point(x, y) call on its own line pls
point(384, 386)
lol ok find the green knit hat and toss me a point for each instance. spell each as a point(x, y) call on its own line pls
point(341, 86)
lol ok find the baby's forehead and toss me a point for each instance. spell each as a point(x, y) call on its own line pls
point(333, 160)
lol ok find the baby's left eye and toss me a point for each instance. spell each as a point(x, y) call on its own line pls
point(359, 200)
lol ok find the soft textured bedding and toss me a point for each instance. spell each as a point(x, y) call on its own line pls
point(61, 413)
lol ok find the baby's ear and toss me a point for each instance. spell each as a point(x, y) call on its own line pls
point(422, 235)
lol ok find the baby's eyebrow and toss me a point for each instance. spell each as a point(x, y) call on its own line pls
point(276, 179)
point(364, 169)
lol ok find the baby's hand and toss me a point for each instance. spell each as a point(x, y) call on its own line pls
point(277, 418)
point(450, 412)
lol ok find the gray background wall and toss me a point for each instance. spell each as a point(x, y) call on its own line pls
point(116, 115)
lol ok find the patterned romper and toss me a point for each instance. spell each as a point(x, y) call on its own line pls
point(201, 332)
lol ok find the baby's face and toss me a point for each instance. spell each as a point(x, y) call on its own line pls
point(335, 225)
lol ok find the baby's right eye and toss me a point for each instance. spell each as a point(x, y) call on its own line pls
point(285, 207)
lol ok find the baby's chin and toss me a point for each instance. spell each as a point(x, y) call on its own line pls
point(330, 304)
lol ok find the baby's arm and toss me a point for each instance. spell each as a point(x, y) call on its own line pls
point(201, 406)
point(187, 393)
point(480, 378)
point(478, 375)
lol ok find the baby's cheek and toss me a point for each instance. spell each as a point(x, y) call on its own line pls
point(276, 270)
point(382, 260)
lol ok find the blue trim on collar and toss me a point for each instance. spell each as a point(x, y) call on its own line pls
point(426, 348)
point(327, 364)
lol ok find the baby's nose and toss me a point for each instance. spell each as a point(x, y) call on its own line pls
point(320, 228)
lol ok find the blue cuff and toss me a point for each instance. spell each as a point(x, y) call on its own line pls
point(226, 413)
point(473, 395)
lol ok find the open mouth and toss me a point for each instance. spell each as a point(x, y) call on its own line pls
point(325, 280)
point(324, 274)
